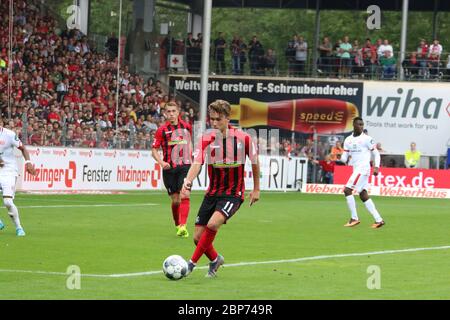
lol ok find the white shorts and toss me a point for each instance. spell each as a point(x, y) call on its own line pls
point(8, 185)
point(358, 182)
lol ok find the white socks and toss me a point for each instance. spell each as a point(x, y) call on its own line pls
point(371, 207)
point(12, 211)
point(352, 206)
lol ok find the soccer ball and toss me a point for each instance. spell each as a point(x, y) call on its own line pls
point(175, 267)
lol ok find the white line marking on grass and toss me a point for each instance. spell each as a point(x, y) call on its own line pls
point(94, 205)
point(240, 264)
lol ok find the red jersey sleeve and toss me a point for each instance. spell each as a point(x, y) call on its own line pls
point(158, 138)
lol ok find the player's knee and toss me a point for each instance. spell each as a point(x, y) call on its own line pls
point(213, 226)
point(8, 202)
point(347, 192)
point(184, 197)
point(364, 197)
point(176, 200)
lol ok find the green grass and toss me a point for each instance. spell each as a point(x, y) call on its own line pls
point(121, 239)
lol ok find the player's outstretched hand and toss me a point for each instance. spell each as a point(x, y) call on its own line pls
point(254, 196)
point(375, 171)
point(30, 169)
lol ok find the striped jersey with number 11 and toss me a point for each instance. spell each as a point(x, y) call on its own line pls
point(225, 157)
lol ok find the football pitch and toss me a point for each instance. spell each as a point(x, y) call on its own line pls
point(287, 246)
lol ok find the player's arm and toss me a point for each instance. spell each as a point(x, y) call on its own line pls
point(372, 146)
point(193, 172)
point(345, 154)
point(344, 157)
point(190, 143)
point(252, 153)
point(155, 150)
point(157, 157)
point(255, 194)
point(196, 166)
point(377, 160)
point(28, 164)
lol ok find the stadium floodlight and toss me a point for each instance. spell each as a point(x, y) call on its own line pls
point(118, 70)
point(10, 39)
point(205, 62)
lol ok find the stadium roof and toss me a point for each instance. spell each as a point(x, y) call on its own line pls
point(394, 5)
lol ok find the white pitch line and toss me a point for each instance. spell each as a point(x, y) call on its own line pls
point(94, 205)
point(240, 264)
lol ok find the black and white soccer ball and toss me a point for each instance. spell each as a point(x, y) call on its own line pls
point(175, 267)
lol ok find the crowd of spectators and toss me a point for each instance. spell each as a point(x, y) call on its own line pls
point(64, 91)
point(251, 55)
point(342, 58)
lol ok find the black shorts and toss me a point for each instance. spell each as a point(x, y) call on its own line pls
point(226, 205)
point(174, 178)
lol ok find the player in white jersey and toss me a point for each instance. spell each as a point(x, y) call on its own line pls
point(9, 173)
point(360, 147)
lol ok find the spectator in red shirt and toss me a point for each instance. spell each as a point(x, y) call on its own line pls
point(327, 168)
point(53, 115)
point(38, 137)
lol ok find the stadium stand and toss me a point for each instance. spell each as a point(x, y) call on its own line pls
point(63, 90)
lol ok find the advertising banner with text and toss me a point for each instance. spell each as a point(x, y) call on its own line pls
point(395, 113)
point(66, 169)
point(393, 182)
point(277, 174)
point(398, 113)
point(287, 104)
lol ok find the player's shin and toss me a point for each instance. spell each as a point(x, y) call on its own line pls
point(373, 210)
point(211, 253)
point(12, 211)
point(352, 206)
point(175, 213)
point(204, 243)
point(184, 211)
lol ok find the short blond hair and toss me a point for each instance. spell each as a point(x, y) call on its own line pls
point(172, 104)
point(221, 107)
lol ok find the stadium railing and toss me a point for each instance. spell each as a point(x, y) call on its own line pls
point(330, 67)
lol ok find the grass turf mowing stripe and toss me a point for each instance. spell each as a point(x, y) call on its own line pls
point(92, 205)
point(322, 257)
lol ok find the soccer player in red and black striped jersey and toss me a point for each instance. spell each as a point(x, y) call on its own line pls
point(226, 150)
point(174, 137)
